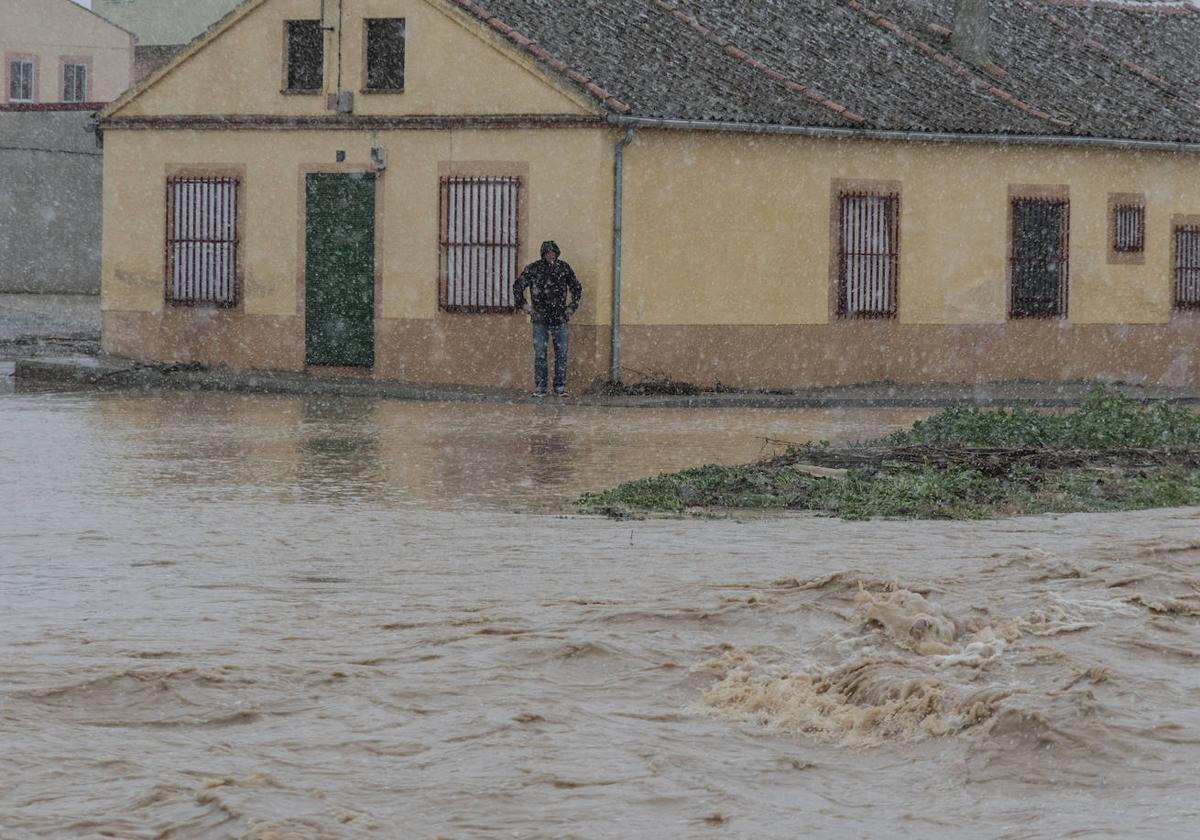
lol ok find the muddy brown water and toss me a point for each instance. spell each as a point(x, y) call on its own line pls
point(265, 617)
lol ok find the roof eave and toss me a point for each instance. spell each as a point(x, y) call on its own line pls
point(833, 132)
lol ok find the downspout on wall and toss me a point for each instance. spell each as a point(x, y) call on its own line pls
point(618, 202)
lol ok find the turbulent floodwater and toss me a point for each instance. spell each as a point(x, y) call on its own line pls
point(284, 618)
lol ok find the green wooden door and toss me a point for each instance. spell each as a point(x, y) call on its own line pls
point(339, 296)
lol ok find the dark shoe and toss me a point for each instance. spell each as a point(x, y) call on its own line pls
point(560, 392)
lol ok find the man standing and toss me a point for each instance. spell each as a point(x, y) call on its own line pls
point(550, 281)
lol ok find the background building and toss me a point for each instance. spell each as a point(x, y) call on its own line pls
point(162, 27)
point(61, 62)
point(56, 51)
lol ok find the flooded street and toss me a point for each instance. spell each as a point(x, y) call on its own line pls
point(276, 617)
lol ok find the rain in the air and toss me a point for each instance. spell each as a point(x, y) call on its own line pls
point(599, 419)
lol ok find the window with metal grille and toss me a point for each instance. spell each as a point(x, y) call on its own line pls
point(1187, 267)
point(75, 87)
point(385, 54)
point(479, 243)
point(202, 240)
point(868, 254)
point(305, 56)
point(1129, 228)
point(20, 80)
point(1038, 265)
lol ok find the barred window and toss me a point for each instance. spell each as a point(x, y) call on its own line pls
point(1187, 267)
point(1038, 265)
point(1129, 228)
point(202, 241)
point(305, 56)
point(868, 254)
point(479, 243)
point(75, 83)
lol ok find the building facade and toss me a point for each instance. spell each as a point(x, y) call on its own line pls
point(56, 51)
point(795, 194)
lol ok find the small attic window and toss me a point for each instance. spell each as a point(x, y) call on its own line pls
point(305, 56)
point(1126, 229)
point(385, 55)
point(1129, 228)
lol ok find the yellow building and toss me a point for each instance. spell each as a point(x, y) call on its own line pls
point(56, 51)
point(804, 192)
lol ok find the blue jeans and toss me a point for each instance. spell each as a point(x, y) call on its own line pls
point(541, 335)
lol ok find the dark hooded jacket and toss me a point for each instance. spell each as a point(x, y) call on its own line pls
point(550, 285)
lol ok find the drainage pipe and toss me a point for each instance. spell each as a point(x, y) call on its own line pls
point(618, 202)
point(341, 18)
point(909, 136)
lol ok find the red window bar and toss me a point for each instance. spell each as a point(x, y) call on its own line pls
point(1187, 267)
point(1038, 261)
point(868, 254)
point(1129, 228)
point(479, 243)
point(202, 241)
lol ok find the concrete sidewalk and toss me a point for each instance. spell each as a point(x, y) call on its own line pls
point(105, 372)
point(55, 342)
point(27, 316)
point(31, 324)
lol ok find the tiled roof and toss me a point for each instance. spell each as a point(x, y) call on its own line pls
point(1164, 39)
point(1058, 67)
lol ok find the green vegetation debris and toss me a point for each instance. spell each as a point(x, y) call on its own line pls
point(1106, 419)
point(1111, 453)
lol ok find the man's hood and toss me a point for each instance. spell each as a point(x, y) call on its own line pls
point(550, 245)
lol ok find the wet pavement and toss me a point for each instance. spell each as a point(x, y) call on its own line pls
point(433, 455)
point(91, 370)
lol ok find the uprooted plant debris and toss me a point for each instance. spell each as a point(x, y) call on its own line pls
point(1111, 453)
point(652, 384)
